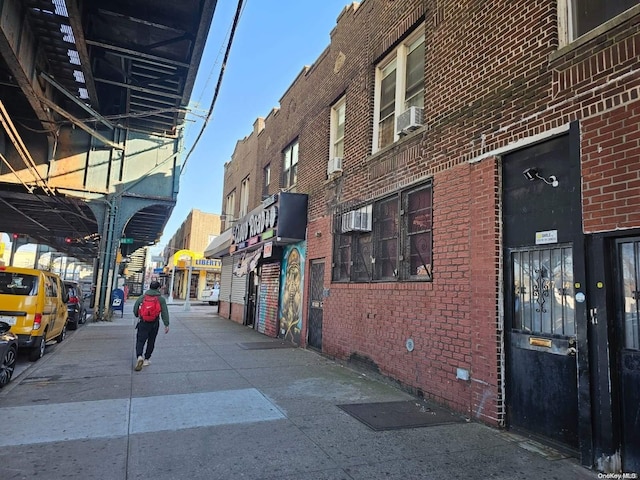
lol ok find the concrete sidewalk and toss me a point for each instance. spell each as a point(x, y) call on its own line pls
point(207, 408)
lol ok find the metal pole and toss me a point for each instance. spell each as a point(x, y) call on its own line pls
point(173, 274)
point(187, 303)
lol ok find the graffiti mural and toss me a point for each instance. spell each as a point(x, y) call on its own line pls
point(292, 281)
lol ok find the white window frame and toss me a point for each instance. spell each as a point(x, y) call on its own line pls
point(566, 28)
point(267, 175)
point(244, 197)
point(290, 159)
point(338, 112)
point(399, 57)
point(230, 206)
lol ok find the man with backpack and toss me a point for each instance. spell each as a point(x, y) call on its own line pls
point(149, 308)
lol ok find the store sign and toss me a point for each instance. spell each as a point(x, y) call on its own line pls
point(267, 250)
point(256, 224)
point(208, 262)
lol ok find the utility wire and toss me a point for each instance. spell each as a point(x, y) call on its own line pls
point(217, 90)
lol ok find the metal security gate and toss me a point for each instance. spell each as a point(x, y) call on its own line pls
point(316, 288)
point(628, 349)
point(542, 341)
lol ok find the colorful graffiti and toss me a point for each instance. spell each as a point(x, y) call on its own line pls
point(292, 281)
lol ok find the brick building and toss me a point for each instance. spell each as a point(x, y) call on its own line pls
point(184, 252)
point(473, 182)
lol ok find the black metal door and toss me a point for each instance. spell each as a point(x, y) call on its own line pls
point(252, 298)
point(542, 378)
point(628, 354)
point(545, 308)
point(316, 288)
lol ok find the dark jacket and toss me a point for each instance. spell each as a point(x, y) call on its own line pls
point(163, 305)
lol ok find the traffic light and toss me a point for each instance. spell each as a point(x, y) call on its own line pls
point(15, 236)
point(68, 239)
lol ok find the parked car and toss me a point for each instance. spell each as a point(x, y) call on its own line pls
point(8, 353)
point(77, 305)
point(211, 295)
point(33, 302)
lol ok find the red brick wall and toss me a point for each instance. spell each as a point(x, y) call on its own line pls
point(495, 80)
point(485, 326)
point(611, 169)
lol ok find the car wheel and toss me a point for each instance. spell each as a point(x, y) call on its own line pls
point(73, 325)
point(63, 333)
point(83, 317)
point(7, 367)
point(37, 351)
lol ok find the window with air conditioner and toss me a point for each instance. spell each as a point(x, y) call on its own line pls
point(392, 242)
point(336, 152)
point(399, 86)
point(579, 17)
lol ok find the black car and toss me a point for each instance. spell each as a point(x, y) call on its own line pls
point(77, 304)
point(8, 353)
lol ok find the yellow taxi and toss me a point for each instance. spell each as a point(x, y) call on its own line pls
point(33, 302)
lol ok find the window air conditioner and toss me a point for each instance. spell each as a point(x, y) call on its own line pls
point(334, 165)
point(348, 220)
point(357, 220)
point(409, 120)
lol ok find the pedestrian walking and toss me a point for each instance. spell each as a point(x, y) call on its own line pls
point(149, 308)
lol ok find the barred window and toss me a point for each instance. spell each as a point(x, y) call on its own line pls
point(395, 244)
point(386, 239)
point(418, 219)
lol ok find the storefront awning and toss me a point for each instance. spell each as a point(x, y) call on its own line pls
point(219, 246)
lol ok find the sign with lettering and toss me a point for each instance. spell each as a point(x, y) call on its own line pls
point(255, 224)
point(546, 237)
point(208, 262)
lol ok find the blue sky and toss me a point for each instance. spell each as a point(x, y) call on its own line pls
point(274, 40)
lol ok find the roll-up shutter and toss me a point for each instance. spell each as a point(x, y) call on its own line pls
point(226, 278)
point(238, 287)
point(267, 321)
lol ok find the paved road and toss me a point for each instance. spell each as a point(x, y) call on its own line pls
point(209, 408)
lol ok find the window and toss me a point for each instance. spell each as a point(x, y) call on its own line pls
point(337, 130)
point(399, 85)
point(266, 175)
point(244, 197)
point(418, 218)
point(398, 247)
point(582, 16)
point(386, 239)
point(290, 171)
point(230, 208)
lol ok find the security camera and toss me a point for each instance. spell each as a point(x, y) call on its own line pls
point(530, 174)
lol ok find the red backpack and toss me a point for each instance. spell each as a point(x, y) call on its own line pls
point(150, 308)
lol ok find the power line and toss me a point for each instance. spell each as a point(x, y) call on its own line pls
point(217, 90)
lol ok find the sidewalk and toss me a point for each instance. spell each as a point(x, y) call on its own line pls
point(215, 404)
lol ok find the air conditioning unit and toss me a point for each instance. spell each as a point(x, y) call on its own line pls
point(348, 221)
point(357, 220)
point(334, 165)
point(409, 120)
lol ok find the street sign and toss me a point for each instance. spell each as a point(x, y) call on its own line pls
point(126, 240)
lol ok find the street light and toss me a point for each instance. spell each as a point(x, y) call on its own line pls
point(187, 302)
